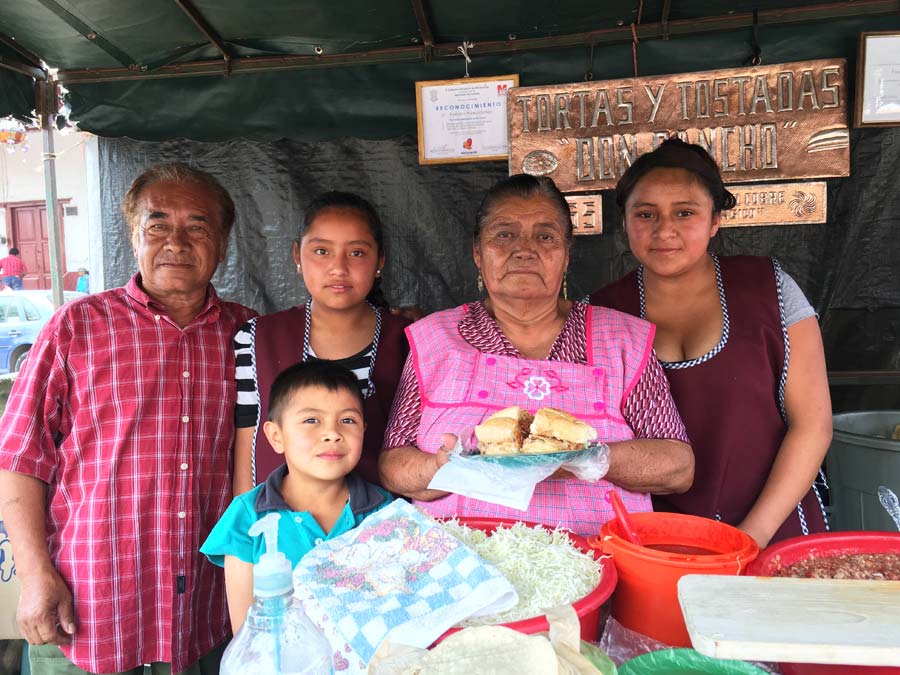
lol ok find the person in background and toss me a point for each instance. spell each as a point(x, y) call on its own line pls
point(315, 423)
point(115, 450)
point(525, 345)
point(13, 270)
point(740, 346)
point(83, 285)
point(339, 253)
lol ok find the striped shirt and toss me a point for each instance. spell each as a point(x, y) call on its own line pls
point(246, 411)
point(649, 409)
point(128, 419)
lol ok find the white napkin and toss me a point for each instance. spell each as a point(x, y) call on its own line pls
point(477, 478)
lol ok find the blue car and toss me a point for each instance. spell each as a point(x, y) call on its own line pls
point(22, 315)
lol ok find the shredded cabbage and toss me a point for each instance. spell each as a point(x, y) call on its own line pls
point(544, 566)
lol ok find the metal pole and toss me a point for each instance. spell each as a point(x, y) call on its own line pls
point(47, 98)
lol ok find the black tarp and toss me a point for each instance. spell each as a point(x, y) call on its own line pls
point(848, 266)
point(16, 90)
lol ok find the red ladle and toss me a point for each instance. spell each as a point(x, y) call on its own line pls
point(618, 506)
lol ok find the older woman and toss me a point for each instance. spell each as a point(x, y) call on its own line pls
point(524, 345)
point(727, 330)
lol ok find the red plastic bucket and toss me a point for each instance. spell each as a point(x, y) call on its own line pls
point(587, 608)
point(646, 598)
point(825, 545)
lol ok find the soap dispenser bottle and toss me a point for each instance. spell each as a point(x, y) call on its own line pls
point(277, 637)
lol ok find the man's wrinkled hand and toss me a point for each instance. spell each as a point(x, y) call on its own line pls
point(45, 613)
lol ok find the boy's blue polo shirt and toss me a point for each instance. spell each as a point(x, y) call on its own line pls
point(298, 531)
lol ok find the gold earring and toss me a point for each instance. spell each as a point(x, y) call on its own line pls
point(565, 287)
point(480, 283)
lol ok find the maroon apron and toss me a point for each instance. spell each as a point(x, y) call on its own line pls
point(730, 403)
point(278, 343)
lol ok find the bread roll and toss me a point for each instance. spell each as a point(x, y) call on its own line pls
point(514, 430)
point(497, 430)
point(558, 424)
point(503, 432)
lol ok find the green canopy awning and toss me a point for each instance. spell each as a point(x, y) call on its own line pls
point(308, 69)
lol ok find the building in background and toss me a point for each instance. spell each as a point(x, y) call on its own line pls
point(23, 208)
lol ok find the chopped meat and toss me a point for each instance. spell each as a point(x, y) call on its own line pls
point(875, 566)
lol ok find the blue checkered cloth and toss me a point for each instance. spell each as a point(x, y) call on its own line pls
point(402, 574)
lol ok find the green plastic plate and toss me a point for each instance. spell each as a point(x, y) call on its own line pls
point(532, 460)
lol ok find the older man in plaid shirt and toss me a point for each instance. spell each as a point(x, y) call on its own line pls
point(115, 450)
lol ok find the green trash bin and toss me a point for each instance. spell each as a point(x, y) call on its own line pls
point(862, 456)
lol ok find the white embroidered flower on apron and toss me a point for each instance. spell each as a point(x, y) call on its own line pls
point(537, 387)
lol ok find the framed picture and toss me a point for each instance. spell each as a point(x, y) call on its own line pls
point(878, 80)
point(463, 120)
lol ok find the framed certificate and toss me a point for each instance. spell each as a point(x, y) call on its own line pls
point(878, 80)
point(463, 120)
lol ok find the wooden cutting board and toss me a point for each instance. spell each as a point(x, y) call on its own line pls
point(793, 620)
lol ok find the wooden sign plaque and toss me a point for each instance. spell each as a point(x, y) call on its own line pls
point(759, 123)
point(777, 204)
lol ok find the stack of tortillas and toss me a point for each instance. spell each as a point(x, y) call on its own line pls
point(494, 650)
point(489, 649)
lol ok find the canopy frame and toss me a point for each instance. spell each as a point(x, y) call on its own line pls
point(428, 51)
point(208, 31)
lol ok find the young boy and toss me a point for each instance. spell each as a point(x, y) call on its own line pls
point(315, 420)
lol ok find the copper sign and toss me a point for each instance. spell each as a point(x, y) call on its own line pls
point(587, 213)
point(777, 204)
point(759, 123)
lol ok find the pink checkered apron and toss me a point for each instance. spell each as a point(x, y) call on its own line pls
point(460, 386)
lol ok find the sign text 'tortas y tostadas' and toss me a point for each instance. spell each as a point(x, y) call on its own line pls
point(786, 120)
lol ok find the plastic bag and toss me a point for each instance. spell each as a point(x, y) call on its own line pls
point(686, 662)
point(509, 480)
point(622, 644)
point(598, 657)
point(591, 465)
point(574, 654)
point(495, 483)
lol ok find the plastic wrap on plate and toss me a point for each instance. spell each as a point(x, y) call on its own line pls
point(509, 480)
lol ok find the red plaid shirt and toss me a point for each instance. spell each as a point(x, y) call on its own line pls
point(129, 419)
point(13, 266)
